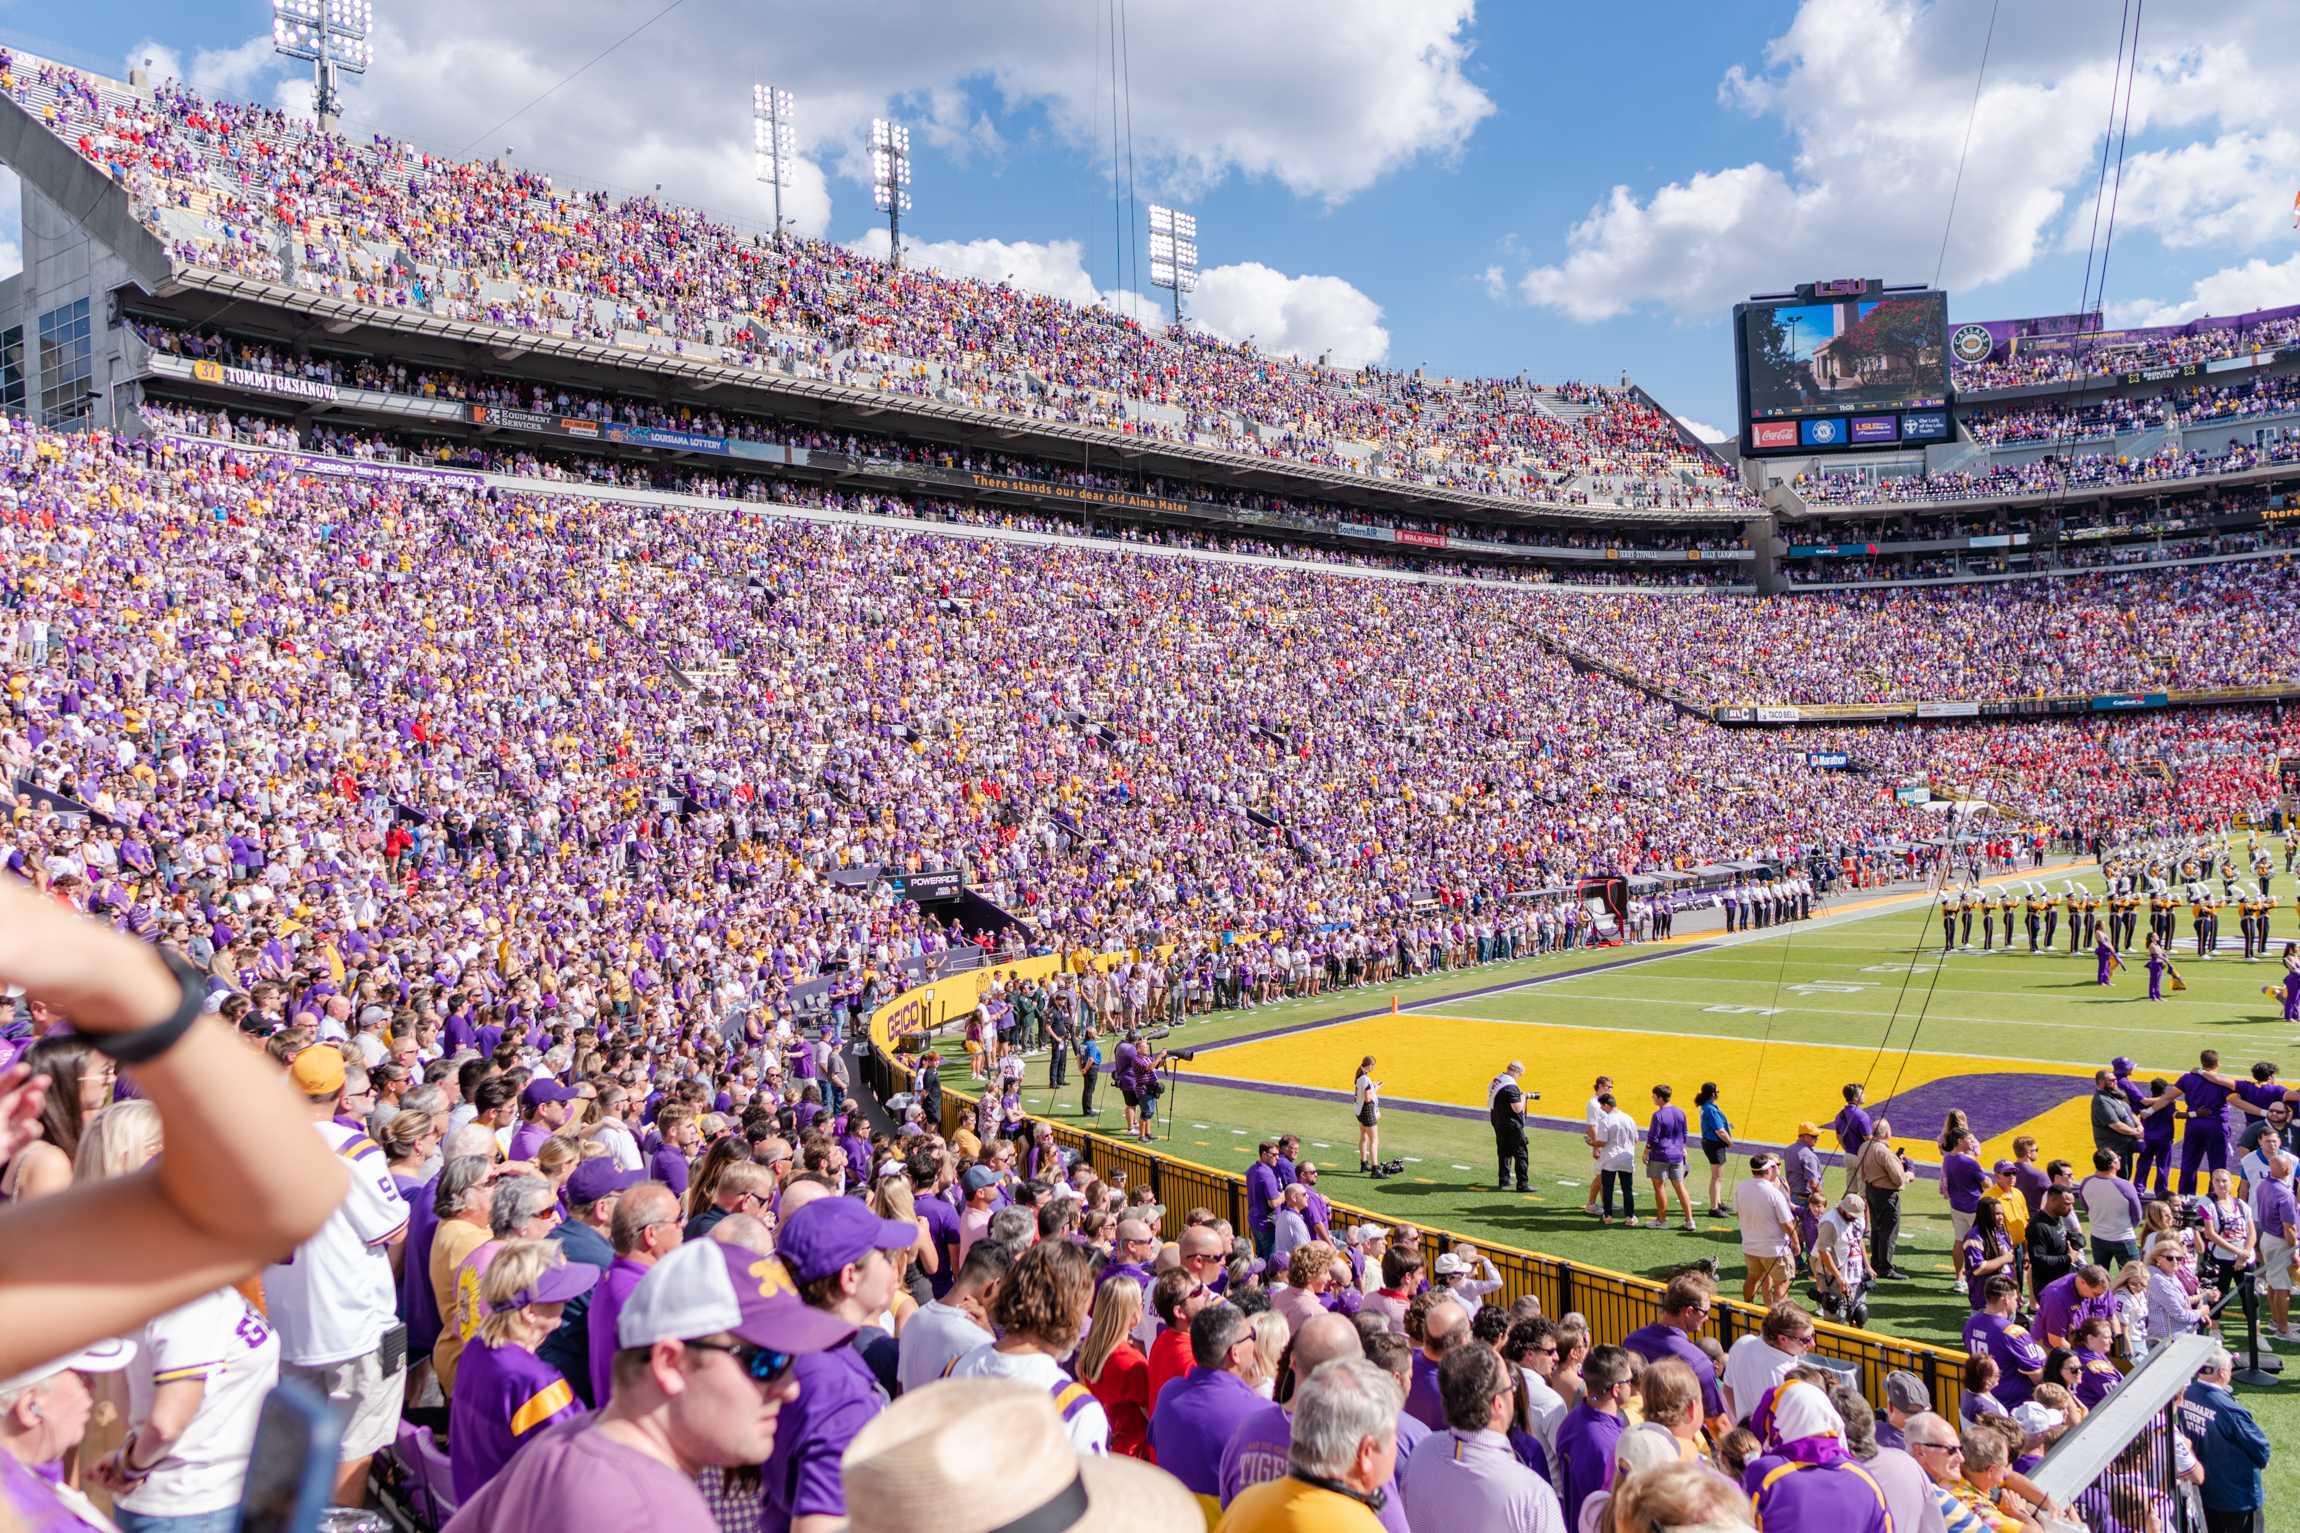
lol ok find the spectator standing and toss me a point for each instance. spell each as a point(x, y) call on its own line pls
point(838, 1253)
point(1664, 1159)
point(334, 1304)
point(2115, 1126)
point(2276, 1213)
point(2051, 1253)
point(2230, 1446)
point(1192, 1421)
point(1257, 1450)
point(504, 1392)
point(2112, 1208)
point(1768, 1232)
point(1040, 1314)
point(1716, 1144)
point(1881, 1171)
point(1962, 1182)
point(1616, 1134)
point(588, 1237)
point(1586, 1436)
point(946, 1329)
point(1263, 1190)
point(1763, 1358)
point(1505, 1110)
point(645, 1229)
point(1467, 1476)
point(1685, 1305)
point(1113, 1367)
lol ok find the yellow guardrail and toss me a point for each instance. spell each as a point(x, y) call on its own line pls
point(1615, 1303)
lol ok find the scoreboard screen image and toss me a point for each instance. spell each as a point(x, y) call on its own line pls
point(1842, 365)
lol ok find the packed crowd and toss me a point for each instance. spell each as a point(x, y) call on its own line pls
point(2208, 341)
point(2217, 625)
point(2187, 406)
point(2047, 475)
point(267, 195)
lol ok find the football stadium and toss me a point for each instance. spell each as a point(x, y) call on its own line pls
point(675, 859)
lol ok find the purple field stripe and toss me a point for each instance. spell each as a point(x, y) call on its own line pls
point(1741, 1147)
point(1292, 1028)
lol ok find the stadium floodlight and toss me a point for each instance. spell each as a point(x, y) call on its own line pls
point(1173, 253)
point(332, 35)
point(775, 142)
point(890, 179)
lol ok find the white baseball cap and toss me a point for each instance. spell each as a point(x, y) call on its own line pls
point(109, 1356)
point(703, 1288)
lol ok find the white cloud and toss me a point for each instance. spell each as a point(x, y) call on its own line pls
point(1874, 96)
point(2231, 192)
point(2256, 284)
point(1302, 316)
point(1056, 268)
point(214, 71)
point(1702, 429)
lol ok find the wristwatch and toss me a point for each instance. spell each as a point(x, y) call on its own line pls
point(145, 1044)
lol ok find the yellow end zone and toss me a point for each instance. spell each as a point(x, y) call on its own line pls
point(1765, 1088)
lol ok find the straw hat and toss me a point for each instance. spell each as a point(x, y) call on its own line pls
point(979, 1455)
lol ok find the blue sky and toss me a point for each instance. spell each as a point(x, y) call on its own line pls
point(1566, 191)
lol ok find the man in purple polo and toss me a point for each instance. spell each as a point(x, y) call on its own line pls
point(645, 1229)
point(836, 1251)
point(1196, 1416)
point(2066, 1302)
point(1444, 1328)
point(1262, 1191)
point(1852, 1122)
point(542, 1113)
point(1685, 1307)
point(2204, 1143)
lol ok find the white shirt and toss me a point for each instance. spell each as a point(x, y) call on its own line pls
point(335, 1297)
point(1617, 1142)
point(1765, 1218)
point(1544, 1408)
point(1088, 1426)
point(621, 1147)
point(220, 1341)
point(1752, 1367)
point(935, 1336)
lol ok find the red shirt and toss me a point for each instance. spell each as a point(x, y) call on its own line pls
point(1169, 1360)
point(1124, 1391)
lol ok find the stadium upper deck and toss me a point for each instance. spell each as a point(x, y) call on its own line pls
point(243, 190)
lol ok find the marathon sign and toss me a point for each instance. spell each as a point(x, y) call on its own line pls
point(1834, 760)
point(264, 383)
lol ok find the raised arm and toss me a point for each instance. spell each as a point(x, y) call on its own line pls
point(244, 1179)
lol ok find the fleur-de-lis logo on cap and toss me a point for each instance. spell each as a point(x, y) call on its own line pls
point(774, 1278)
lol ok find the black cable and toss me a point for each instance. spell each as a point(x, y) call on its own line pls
point(2123, 137)
point(1117, 211)
point(1133, 237)
point(569, 79)
point(1940, 261)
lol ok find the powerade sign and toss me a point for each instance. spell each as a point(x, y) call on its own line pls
point(1925, 426)
point(926, 887)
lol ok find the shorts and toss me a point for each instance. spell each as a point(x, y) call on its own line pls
point(2276, 1263)
point(1665, 1170)
point(1715, 1152)
point(1130, 1098)
point(1369, 1115)
point(1764, 1273)
point(369, 1398)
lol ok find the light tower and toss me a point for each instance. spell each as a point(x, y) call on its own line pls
point(1173, 253)
point(332, 35)
point(772, 136)
point(890, 180)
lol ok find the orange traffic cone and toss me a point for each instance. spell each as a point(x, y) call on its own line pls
point(1393, 1005)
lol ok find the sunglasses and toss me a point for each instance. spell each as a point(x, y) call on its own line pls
point(763, 1367)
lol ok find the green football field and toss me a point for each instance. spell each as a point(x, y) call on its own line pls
point(1780, 1020)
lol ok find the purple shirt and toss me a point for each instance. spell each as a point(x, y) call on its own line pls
point(570, 1476)
point(418, 1305)
point(1665, 1136)
point(1262, 1189)
point(2060, 1309)
point(527, 1138)
point(1191, 1427)
point(1257, 1451)
point(2207, 1101)
point(2277, 1209)
point(1585, 1440)
point(607, 1297)
point(1657, 1341)
point(1852, 1126)
point(1962, 1181)
point(1841, 1497)
point(1423, 1402)
point(838, 1396)
point(502, 1396)
point(668, 1165)
point(2014, 1350)
point(942, 1225)
point(2032, 1180)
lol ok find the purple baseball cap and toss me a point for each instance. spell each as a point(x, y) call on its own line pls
point(829, 1233)
point(600, 1177)
point(556, 1286)
point(545, 1090)
point(2121, 1065)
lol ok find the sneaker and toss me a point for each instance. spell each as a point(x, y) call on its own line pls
point(1657, 1224)
point(1716, 1212)
point(1590, 1208)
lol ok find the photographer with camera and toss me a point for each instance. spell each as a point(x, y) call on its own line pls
point(1505, 1108)
point(1135, 1072)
